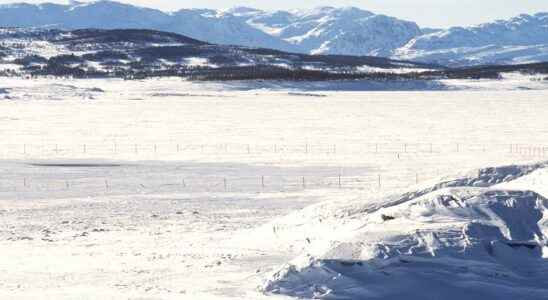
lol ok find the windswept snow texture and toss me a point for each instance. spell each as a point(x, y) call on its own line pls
point(471, 238)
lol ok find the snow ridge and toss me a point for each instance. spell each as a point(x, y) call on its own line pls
point(472, 237)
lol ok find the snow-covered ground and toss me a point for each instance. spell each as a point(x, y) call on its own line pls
point(165, 189)
point(480, 236)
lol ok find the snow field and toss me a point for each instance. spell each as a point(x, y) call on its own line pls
point(146, 234)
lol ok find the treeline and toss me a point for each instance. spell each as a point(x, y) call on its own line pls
point(111, 66)
point(267, 72)
point(259, 72)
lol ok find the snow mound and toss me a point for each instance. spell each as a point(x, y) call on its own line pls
point(4, 93)
point(473, 237)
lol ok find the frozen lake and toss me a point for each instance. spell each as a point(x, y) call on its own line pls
point(141, 190)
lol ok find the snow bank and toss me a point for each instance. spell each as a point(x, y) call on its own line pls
point(4, 93)
point(474, 237)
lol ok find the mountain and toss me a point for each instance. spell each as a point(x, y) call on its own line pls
point(139, 53)
point(323, 30)
point(203, 24)
point(132, 53)
point(329, 30)
point(521, 39)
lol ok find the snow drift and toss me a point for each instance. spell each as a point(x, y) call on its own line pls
point(479, 236)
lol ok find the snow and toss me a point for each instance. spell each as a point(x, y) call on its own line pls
point(198, 61)
point(322, 30)
point(84, 214)
point(489, 240)
point(518, 40)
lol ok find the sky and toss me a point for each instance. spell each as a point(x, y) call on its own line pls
point(427, 13)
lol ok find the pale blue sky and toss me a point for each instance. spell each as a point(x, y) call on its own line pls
point(433, 13)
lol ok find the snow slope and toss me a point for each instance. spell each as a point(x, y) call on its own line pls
point(477, 236)
point(329, 30)
point(518, 40)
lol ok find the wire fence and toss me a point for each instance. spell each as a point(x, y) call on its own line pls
point(217, 184)
point(65, 182)
point(170, 148)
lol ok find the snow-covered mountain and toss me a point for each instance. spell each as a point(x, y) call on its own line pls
point(329, 30)
point(323, 30)
point(142, 53)
point(521, 39)
point(207, 25)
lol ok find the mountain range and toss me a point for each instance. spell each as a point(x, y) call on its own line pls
point(139, 53)
point(323, 30)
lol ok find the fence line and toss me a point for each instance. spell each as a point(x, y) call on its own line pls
point(136, 149)
point(214, 183)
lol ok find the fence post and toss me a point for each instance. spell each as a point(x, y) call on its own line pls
point(262, 181)
point(184, 183)
point(304, 183)
point(379, 179)
point(225, 184)
point(340, 185)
